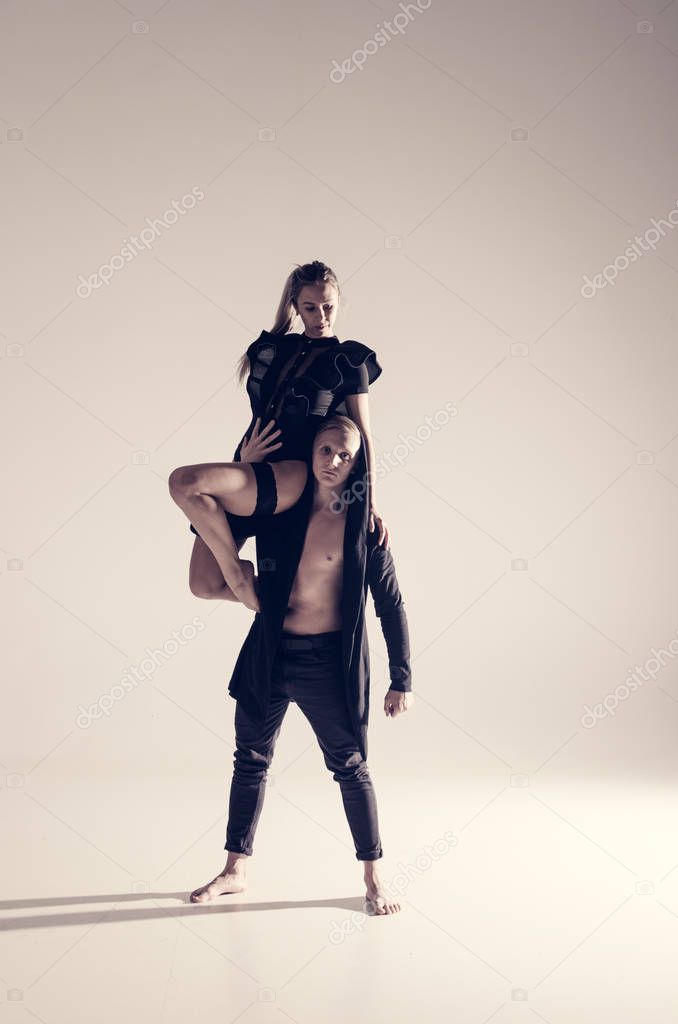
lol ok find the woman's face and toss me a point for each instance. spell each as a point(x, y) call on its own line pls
point(317, 307)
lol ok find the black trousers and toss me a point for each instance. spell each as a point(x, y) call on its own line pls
point(308, 671)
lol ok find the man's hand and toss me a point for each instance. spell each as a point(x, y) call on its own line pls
point(260, 443)
point(396, 701)
point(377, 522)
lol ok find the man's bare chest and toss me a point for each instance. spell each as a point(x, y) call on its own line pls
point(323, 554)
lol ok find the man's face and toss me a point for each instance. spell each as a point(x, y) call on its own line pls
point(334, 454)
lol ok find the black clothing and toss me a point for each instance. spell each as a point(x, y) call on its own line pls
point(307, 671)
point(300, 403)
point(267, 493)
point(280, 542)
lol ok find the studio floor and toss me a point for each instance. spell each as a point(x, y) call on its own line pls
point(554, 902)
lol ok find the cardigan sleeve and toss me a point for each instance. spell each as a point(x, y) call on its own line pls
point(390, 609)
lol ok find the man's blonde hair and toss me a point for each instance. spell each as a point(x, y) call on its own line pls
point(337, 422)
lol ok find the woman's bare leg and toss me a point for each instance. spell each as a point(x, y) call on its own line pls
point(205, 578)
point(204, 491)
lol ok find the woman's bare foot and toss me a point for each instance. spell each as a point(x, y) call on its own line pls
point(245, 591)
point(377, 901)
point(227, 881)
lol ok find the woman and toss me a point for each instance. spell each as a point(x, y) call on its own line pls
point(295, 381)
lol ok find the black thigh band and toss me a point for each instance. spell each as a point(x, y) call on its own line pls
point(267, 501)
point(267, 493)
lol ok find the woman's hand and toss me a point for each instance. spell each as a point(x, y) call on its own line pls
point(260, 443)
point(378, 522)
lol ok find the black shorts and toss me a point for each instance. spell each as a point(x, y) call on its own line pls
point(267, 500)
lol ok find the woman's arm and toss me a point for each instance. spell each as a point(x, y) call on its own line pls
point(358, 409)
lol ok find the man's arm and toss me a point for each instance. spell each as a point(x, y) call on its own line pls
point(390, 609)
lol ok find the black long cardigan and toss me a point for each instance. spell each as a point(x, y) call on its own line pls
point(279, 548)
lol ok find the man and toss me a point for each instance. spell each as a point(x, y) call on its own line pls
point(308, 644)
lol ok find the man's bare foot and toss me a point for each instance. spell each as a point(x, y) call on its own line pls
point(377, 900)
point(227, 881)
point(245, 590)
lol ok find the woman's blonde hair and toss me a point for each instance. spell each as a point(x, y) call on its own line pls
point(303, 274)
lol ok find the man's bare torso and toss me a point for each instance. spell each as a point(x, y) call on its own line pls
point(315, 600)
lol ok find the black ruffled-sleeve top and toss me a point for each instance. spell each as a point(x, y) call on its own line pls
point(300, 381)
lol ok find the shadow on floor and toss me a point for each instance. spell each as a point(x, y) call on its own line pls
point(227, 904)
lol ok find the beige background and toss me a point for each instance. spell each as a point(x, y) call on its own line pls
point(461, 185)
